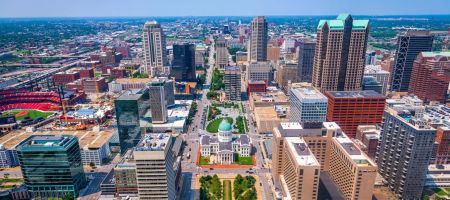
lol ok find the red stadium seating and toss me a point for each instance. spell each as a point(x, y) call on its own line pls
point(34, 106)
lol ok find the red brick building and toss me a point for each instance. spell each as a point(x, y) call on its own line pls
point(443, 151)
point(430, 76)
point(369, 136)
point(256, 86)
point(349, 109)
point(64, 78)
point(95, 85)
point(86, 73)
point(116, 72)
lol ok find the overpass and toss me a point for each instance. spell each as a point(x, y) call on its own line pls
point(61, 56)
point(52, 65)
point(49, 73)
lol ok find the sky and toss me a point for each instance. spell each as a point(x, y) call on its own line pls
point(143, 8)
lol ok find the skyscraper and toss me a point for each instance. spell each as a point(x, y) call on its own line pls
point(349, 109)
point(404, 151)
point(183, 63)
point(233, 83)
point(408, 47)
point(154, 46)
point(320, 149)
point(286, 73)
point(51, 165)
point(307, 105)
point(157, 167)
point(158, 103)
point(221, 53)
point(430, 76)
point(340, 54)
point(258, 39)
point(381, 76)
point(130, 107)
point(305, 55)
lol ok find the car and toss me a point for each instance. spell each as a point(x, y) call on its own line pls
point(211, 168)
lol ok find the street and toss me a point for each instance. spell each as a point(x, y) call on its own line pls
point(192, 138)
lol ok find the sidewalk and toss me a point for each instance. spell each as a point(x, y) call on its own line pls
point(223, 177)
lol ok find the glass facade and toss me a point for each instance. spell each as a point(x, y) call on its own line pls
point(128, 113)
point(52, 171)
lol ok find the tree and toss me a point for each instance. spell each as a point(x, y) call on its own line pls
point(68, 196)
point(92, 164)
point(110, 78)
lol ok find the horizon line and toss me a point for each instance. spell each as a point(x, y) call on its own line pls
point(175, 16)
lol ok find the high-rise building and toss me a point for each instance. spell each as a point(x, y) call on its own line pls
point(154, 46)
point(125, 177)
point(273, 53)
point(233, 83)
point(300, 170)
point(370, 83)
point(51, 165)
point(305, 53)
point(371, 58)
point(157, 167)
point(430, 76)
point(259, 72)
point(380, 75)
point(404, 152)
point(340, 54)
point(158, 102)
point(183, 65)
point(349, 109)
point(337, 157)
point(442, 155)
point(307, 105)
point(221, 53)
point(130, 107)
point(368, 135)
point(408, 47)
point(286, 72)
point(258, 39)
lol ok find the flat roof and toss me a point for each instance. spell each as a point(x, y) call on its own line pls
point(308, 93)
point(302, 153)
point(268, 97)
point(353, 151)
point(153, 142)
point(86, 139)
point(355, 94)
point(131, 94)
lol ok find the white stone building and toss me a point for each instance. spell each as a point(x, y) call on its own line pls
point(225, 145)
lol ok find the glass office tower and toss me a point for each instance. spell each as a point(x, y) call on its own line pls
point(51, 165)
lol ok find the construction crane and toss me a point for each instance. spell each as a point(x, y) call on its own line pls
point(132, 75)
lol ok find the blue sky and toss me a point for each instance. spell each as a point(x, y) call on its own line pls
point(98, 8)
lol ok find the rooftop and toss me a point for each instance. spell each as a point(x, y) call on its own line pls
point(310, 93)
point(268, 97)
point(132, 94)
point(153, 142)
point(45, 142)
point(302, 154)
point(436, 53)
point(353, 151)
point(355, 94)
point(338, 23)
point(87, 139)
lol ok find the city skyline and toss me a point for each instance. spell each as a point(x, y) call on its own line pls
point(51, 8)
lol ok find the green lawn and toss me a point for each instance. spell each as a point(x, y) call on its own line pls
point(243, 160)
point(226, 190)
point(440, 191)
point(214, 125)
point(31, 114)
point(204, 160)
